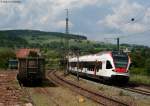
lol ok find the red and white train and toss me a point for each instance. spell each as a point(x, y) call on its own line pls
point(111, 66)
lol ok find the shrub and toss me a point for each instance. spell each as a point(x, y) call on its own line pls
point(5, 55)
point(147, 66)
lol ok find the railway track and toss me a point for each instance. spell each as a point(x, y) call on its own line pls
point(142, 91)
point(42, 90)
point(136, 88)
point(93, 95)
point(133, 87)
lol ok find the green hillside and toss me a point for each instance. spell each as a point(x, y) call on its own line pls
point(10, 40)
point(26, 38)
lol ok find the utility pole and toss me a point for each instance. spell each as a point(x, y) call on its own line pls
point(78, 64)
point(118, 45)
point(67, 21)
point(118, 38)
point(67, 41)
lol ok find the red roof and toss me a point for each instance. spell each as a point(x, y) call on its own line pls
point(23, 53)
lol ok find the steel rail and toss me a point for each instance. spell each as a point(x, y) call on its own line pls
point(99, 98)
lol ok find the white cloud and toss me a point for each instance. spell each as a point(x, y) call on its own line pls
point(134, 28)
point(41, 14)
point(121, 17)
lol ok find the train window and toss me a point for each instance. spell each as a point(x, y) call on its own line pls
point(85, 64)
point(98, 66)
point(108, 65)
point(93, 66)
point(88, 65)
point(81, 65)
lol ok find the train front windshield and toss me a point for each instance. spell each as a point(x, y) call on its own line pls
point(120, 60)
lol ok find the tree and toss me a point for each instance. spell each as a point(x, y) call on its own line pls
point(5, 55)
point(147, 66)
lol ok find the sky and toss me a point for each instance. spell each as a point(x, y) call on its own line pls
point(99, 20)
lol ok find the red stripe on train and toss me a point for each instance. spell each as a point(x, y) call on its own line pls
point(120, 70)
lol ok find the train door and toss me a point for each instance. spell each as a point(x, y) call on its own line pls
point(101, 67)
point(98, 67)
point(107, 68)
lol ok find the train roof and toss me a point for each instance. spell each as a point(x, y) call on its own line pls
point(96, 57)
point(92, 57)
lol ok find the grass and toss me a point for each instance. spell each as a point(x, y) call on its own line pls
point(39, 99)
point(15, 84)
point(140, 79)
point(24, 99)
point(138, 71)
point(139, 75)
point(101, 88)
point(122, 93)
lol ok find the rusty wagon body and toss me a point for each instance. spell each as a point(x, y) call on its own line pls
point(31, 66)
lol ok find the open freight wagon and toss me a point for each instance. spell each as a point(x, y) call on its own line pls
point(31, 66)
